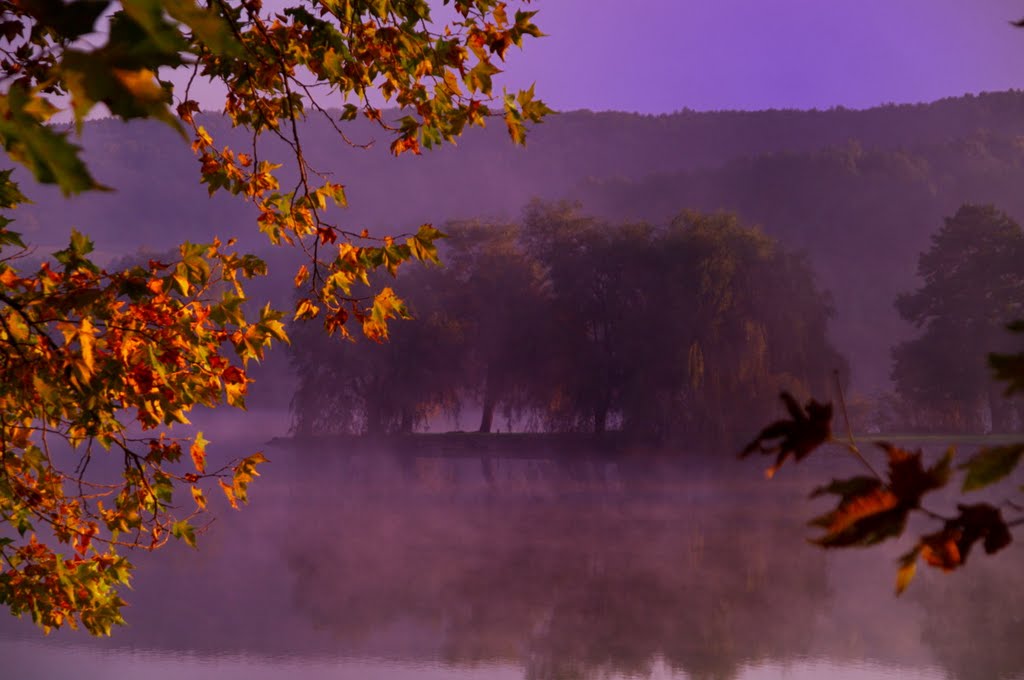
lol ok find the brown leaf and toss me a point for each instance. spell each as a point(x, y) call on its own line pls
point(807, 430)
point(942, 549)
point(985, 523)
point(948, 549)
point(908, 479)
point(865, 516)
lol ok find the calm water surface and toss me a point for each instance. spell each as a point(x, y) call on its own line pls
point(390, 567)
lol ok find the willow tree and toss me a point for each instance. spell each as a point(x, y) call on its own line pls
point(108, 361)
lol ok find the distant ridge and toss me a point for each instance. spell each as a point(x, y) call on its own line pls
point(859, 191)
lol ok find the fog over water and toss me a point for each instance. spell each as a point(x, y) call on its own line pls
point(378, 562)
point(621, 304)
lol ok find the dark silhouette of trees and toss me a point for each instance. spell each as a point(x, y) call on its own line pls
point(973, 287)
point(666, 334)
point(498, 294)
point(370, 388)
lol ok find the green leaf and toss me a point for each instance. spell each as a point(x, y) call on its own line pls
point(149, 15)
point(989, 465)
point(74, 256)
point(10, 193)
point(94, 77)
point(48, 154)
point(211, 29)
point(478, 79)
point(349, 112)
point(184, 531)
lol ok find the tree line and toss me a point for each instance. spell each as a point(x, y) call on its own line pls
point(973, 288)
point(564, 322)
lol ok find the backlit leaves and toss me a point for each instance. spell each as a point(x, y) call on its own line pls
point(948, 548)
point(874, 508)
point(439, 76)
point(89, 356)
point(871, 510)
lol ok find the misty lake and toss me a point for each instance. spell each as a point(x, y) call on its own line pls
point(375, 565)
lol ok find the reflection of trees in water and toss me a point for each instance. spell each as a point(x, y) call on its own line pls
point(608, 580)
point(974, 620)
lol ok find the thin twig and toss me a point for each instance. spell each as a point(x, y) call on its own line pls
point(851, 443)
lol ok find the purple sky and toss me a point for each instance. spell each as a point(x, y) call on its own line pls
point(659, 56)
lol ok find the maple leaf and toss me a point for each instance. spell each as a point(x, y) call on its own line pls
point(807, 429)
point(908, 479)
point(871, 510)
point(868, 513)
point(948, 548)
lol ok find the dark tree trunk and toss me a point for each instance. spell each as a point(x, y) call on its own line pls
point(490, 401)
point(487, 414)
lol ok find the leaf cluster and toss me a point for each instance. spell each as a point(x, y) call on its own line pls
point(89, 357)
point(875, 508)
point(88, 360)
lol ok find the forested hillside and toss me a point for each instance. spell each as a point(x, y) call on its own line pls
point(859, 192)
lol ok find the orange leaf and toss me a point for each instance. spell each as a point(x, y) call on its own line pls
point(200, 499)
point(857, 508)
point(941, 549)
point(229, 492)
point(198, 452)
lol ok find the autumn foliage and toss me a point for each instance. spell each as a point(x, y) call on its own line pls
point(104, 363)
point(876, 507)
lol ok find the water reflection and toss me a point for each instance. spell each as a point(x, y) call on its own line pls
point(404, 567)
point(613, 573)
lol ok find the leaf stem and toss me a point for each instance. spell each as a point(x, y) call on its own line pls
point(851, 443)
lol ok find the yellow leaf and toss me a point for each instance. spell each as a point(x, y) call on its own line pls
point(198, 452)
point(87, 342)
point(200, 499)
point(229, 492)
point(301, 276)
point(905, 575)
point(305, 309)
point(142, 84)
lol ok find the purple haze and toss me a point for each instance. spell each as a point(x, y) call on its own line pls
point(660, 56)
